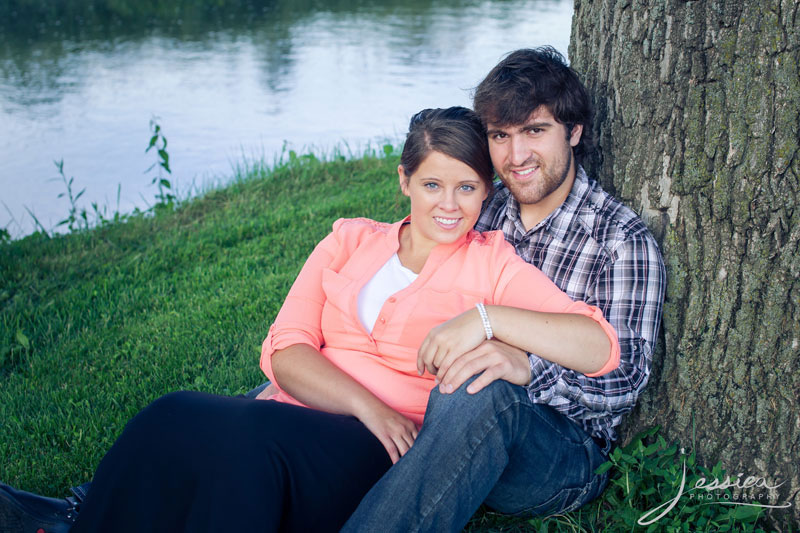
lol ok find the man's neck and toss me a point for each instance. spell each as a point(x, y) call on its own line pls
point(531, 214)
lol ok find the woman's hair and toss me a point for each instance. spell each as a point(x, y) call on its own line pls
point(456, 132)
point(533, 77)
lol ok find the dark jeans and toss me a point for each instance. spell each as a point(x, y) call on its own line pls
point(196, 462)
point(496, 447)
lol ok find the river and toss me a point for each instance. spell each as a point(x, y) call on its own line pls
point(246, 82)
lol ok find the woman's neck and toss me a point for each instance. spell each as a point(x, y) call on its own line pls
point(412, 257)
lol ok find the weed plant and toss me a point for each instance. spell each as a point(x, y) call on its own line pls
point(165, 197)
point(645, 476)
point(96, 324)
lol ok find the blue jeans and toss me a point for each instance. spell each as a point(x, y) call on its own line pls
point(494, 447)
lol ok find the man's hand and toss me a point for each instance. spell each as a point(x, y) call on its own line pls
point(396, 432)
point(493, 360)
point(450, 340)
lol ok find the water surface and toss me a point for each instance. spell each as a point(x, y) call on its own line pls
point(229, 84)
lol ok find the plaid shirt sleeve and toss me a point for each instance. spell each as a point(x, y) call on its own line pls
point(629, 289)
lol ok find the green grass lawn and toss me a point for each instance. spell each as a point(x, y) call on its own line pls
point(96, 324)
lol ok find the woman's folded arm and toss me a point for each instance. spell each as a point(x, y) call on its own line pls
point(308, 376)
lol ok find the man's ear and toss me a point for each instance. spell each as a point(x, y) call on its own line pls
point(401, 175)
point(575, 135)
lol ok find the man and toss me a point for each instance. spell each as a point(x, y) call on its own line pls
point(504, 427)
point(520, 433)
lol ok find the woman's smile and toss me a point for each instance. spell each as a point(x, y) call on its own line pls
point(447, 223)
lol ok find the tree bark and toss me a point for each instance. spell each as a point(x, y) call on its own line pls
point(698, 106)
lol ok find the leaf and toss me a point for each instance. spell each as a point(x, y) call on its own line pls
point(746, 512)
point(165, 183)
point(153, 141)
point(603, 468)
point(652, 448)
point(23, 340)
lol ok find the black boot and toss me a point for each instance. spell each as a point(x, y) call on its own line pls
point(25, 512)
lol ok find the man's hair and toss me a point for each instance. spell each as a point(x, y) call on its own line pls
point(456, 132)
point(533, 77)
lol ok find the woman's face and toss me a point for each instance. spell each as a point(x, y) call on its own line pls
point(446, 197)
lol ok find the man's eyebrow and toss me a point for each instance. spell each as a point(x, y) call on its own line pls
point(537, 124)
point(496, 129)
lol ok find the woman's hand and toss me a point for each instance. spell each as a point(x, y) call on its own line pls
point(308, 376)
point(396, 432)
point(449, 341)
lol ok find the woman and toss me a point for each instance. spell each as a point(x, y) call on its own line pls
point(351, 352)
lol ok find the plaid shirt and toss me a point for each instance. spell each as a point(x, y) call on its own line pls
point(600, 252)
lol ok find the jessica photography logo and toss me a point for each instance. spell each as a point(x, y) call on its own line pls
point(742, 490)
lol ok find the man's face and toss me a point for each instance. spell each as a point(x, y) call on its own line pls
point(534, 159)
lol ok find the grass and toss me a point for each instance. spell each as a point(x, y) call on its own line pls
point(97, 323)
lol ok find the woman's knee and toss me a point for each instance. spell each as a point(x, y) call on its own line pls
point(163, 413)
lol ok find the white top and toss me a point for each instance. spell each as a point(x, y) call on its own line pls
point(391, 278)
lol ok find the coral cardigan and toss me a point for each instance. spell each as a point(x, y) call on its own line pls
point(321, 307)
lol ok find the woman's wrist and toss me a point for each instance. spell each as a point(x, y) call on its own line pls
point(363, 403)
point(485, 322)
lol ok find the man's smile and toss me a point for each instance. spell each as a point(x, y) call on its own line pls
point(524, 173)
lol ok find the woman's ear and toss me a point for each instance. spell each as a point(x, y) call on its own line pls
point(401, 175)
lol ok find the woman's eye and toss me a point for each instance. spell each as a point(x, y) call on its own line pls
point(431, 186)
point(467, 188)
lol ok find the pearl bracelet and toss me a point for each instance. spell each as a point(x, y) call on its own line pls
point(487, 326)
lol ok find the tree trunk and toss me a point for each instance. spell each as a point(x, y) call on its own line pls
point(698, 106)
